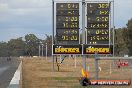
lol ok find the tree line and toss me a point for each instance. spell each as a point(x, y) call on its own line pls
point(123, 40)
point(29, 44)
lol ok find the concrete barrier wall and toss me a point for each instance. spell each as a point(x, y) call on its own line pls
point(16, 80)
point(20, 81)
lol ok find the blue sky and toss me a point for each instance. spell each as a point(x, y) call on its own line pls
point(20, 17)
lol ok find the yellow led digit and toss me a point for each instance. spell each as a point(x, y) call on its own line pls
point(98, 18)
point(75, 37)
point(66, 19)
point(106, 19)
point(75, 19)
point(69, 6)
point(97, 32)
point(63, 37)
point(94, 42)
point(65, 25)
point(72, 18)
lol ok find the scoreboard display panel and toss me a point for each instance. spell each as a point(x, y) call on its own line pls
point(67, 22)
point(98, 23)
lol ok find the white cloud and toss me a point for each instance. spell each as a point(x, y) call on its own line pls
point(22, 11)
point(3, 7)
point(29, 3)
point(10, 11)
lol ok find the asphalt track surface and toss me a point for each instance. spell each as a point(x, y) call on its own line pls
point(7, 70)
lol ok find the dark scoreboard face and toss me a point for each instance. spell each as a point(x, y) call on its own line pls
point(67, 21)
point(98, 23)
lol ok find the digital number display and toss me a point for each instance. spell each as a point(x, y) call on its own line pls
point(68, 32)
point(102, 12)
point(98, 23)
point(67, 25)
point(95, 6)
point(67, 6)
point(98, 37)
point(98, 32)
point(98, 19)
point(67, 38)
point(67, 21)
point(67, 18)
point(67, 12)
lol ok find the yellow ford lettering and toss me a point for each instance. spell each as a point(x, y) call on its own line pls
point(99, 50)
point(67, 50)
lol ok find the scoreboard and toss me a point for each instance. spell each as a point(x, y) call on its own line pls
point(98, 23)
point(67, 22)
point(97, 28)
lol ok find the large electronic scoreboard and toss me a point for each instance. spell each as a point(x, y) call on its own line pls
point(98, 20)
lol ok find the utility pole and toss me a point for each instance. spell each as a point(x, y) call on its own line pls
point(39, 50)
point(46, 51)
point(42, 50)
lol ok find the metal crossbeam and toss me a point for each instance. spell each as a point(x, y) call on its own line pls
point(113, 58)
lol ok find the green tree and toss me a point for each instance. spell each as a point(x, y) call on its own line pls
point(3, 49)
point(129, 36)
point(16, 47)
point(120, 42)
point(32, 43)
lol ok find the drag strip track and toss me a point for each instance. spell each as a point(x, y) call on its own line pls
point(7, 70)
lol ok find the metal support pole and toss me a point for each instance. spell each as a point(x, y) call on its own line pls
point(52, 31)
point(60, 58)
point(42, 50)
point(83, 31)
point(39, 50)
point(46, 51)
point(113, 32)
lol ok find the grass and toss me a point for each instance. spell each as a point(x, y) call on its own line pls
point(38, 73)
